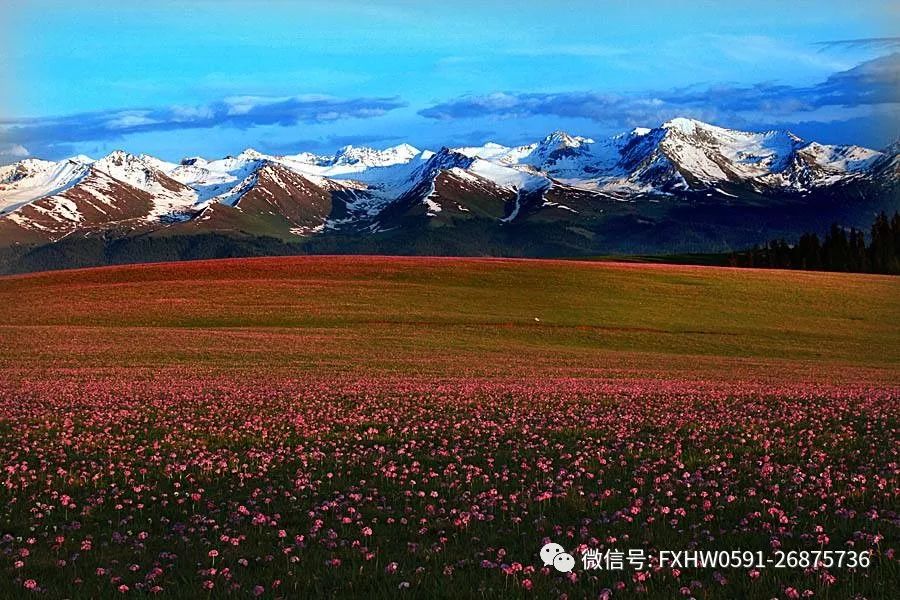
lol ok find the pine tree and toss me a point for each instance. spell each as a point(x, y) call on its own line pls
point(858, 257)
point(841, 250)
point(836, 250)
point(882, 252)
point(895, 230)
point(808, 252)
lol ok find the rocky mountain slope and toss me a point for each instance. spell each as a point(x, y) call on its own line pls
point(682, 185)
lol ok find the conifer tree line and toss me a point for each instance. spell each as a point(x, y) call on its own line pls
point(841, 249)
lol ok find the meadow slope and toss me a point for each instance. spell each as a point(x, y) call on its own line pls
point(454, 317)
point(345, 427)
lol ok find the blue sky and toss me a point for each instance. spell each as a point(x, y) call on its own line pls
point(211, 78)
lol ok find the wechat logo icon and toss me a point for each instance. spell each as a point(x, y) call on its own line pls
point(556, 556)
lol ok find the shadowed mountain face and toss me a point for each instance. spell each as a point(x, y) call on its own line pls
point(683, 186)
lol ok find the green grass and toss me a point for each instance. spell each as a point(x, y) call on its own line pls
point(394, 311)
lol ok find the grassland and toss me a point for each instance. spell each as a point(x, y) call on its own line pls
point(451, 317)
point(374, 427)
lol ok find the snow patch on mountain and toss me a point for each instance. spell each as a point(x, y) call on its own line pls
point(851, 159)
point(32, 178)
point(171, 199)
point(349, 160)
point(498, 153)
point(211, 179)
point(508, 177)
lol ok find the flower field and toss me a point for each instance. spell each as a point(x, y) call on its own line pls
point(310, 428)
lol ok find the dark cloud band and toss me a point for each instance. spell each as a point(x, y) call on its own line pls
point(870, 83)
point(881, 43)
point(240, 112)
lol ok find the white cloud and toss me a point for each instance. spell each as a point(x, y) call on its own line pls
point(12, 152)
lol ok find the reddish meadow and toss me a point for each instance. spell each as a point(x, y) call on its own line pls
point(345, 427)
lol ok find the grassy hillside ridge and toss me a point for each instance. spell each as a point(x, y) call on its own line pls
point(450, 316)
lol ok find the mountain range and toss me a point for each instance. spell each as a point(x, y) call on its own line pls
point(683, 186)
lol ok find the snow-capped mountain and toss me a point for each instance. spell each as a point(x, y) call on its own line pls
point(575, 182)
point(683, 155)
point(171, 199)
point(119, 191)
point(351, 159)
point(304, 203)
point(690, 155)
point(33, 178)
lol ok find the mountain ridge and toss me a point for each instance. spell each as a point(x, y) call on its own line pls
point(683, 173)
